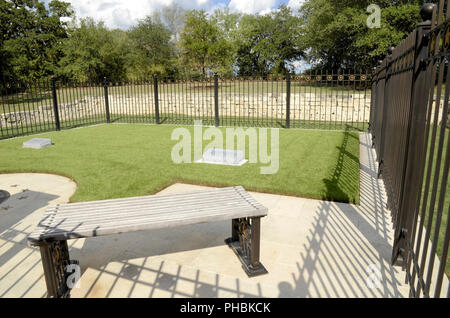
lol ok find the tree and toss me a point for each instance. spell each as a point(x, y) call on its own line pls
point(336, 35)
point(31, 36)
point(267, 43)
point(203, 47)
point(92, 52)
point(173, 19)
point(152, 51)
point(228, 23)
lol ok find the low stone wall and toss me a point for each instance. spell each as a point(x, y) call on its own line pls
point(332, 107)
point(80, 109)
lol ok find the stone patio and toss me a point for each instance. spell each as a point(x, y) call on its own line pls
point(311, 248)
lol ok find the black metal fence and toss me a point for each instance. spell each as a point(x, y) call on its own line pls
point(315, 101)
point(410, 127)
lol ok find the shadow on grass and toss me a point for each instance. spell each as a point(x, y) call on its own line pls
point(339, 184)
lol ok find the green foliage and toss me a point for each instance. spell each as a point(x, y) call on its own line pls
point(330, 34)
point(336, 34)
point(203, 46)
point(267, 43)
point(31, 34)
point(151, 50)
point(93, 52)
point(173, 19)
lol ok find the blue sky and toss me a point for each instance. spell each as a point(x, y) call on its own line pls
point(124, 13)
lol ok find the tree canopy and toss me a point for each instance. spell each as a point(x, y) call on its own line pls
point(30, 45)
point(92, 52)
point(150, 49)
point(336, 34)
point(267, 43)
point(46, 39)
point(203, 46)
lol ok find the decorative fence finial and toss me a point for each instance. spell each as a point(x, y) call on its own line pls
point(391, 50)
point(426, 12)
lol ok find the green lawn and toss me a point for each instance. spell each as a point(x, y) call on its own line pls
point(122, 160)
point(21, 129)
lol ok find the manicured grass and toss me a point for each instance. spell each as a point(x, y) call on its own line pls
point(21, 129)
point(122, 160)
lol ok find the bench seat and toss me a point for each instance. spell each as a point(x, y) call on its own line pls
point(107, 217)
point(97, 218)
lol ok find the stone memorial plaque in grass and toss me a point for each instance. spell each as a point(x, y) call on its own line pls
point(223, 157)
point(37, 143)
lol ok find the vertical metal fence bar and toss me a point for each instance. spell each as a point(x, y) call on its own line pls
point(55, 104)
point(7, 102)
point(136, 105)
point(216, 101)
point(61, 93)
point(23, 114)
point(105, 88)
point(288, 100)
point(335, 85)
point(445, 248)
point(73, 97)
point(34, 123)
point(155, 94)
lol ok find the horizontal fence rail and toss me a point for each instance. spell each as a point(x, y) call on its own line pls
point(409, 124)
point(312, 101)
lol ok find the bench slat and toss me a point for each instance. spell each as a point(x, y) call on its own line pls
point(61, 234)
point(88, 219)
point(70, 223)
point(141, 213)
point(153, 206)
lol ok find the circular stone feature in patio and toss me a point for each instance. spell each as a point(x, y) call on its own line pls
point(4, 195)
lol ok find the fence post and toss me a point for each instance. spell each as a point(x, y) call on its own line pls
point(373, 103)
point(216, 100)
point(105, 85)
point(411, 185)
point(155, 93)
point(384, 119)
point(288, 100)
point(55, 105)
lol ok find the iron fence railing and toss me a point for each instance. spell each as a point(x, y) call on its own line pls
point(317, 100)
point(410, 127)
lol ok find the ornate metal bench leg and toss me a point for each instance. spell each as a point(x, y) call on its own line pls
point(55, 259)
point(245, 242)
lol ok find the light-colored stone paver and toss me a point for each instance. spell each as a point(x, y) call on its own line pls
point(311, 248)
point(21, 273)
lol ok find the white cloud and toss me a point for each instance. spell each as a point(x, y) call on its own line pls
point(125, 13)
point(252, 6)
point(116, 13)
point(300, 66)
point(296, 4)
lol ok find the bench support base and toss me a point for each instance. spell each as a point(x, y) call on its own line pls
point(55, 259)
point(245, 242)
